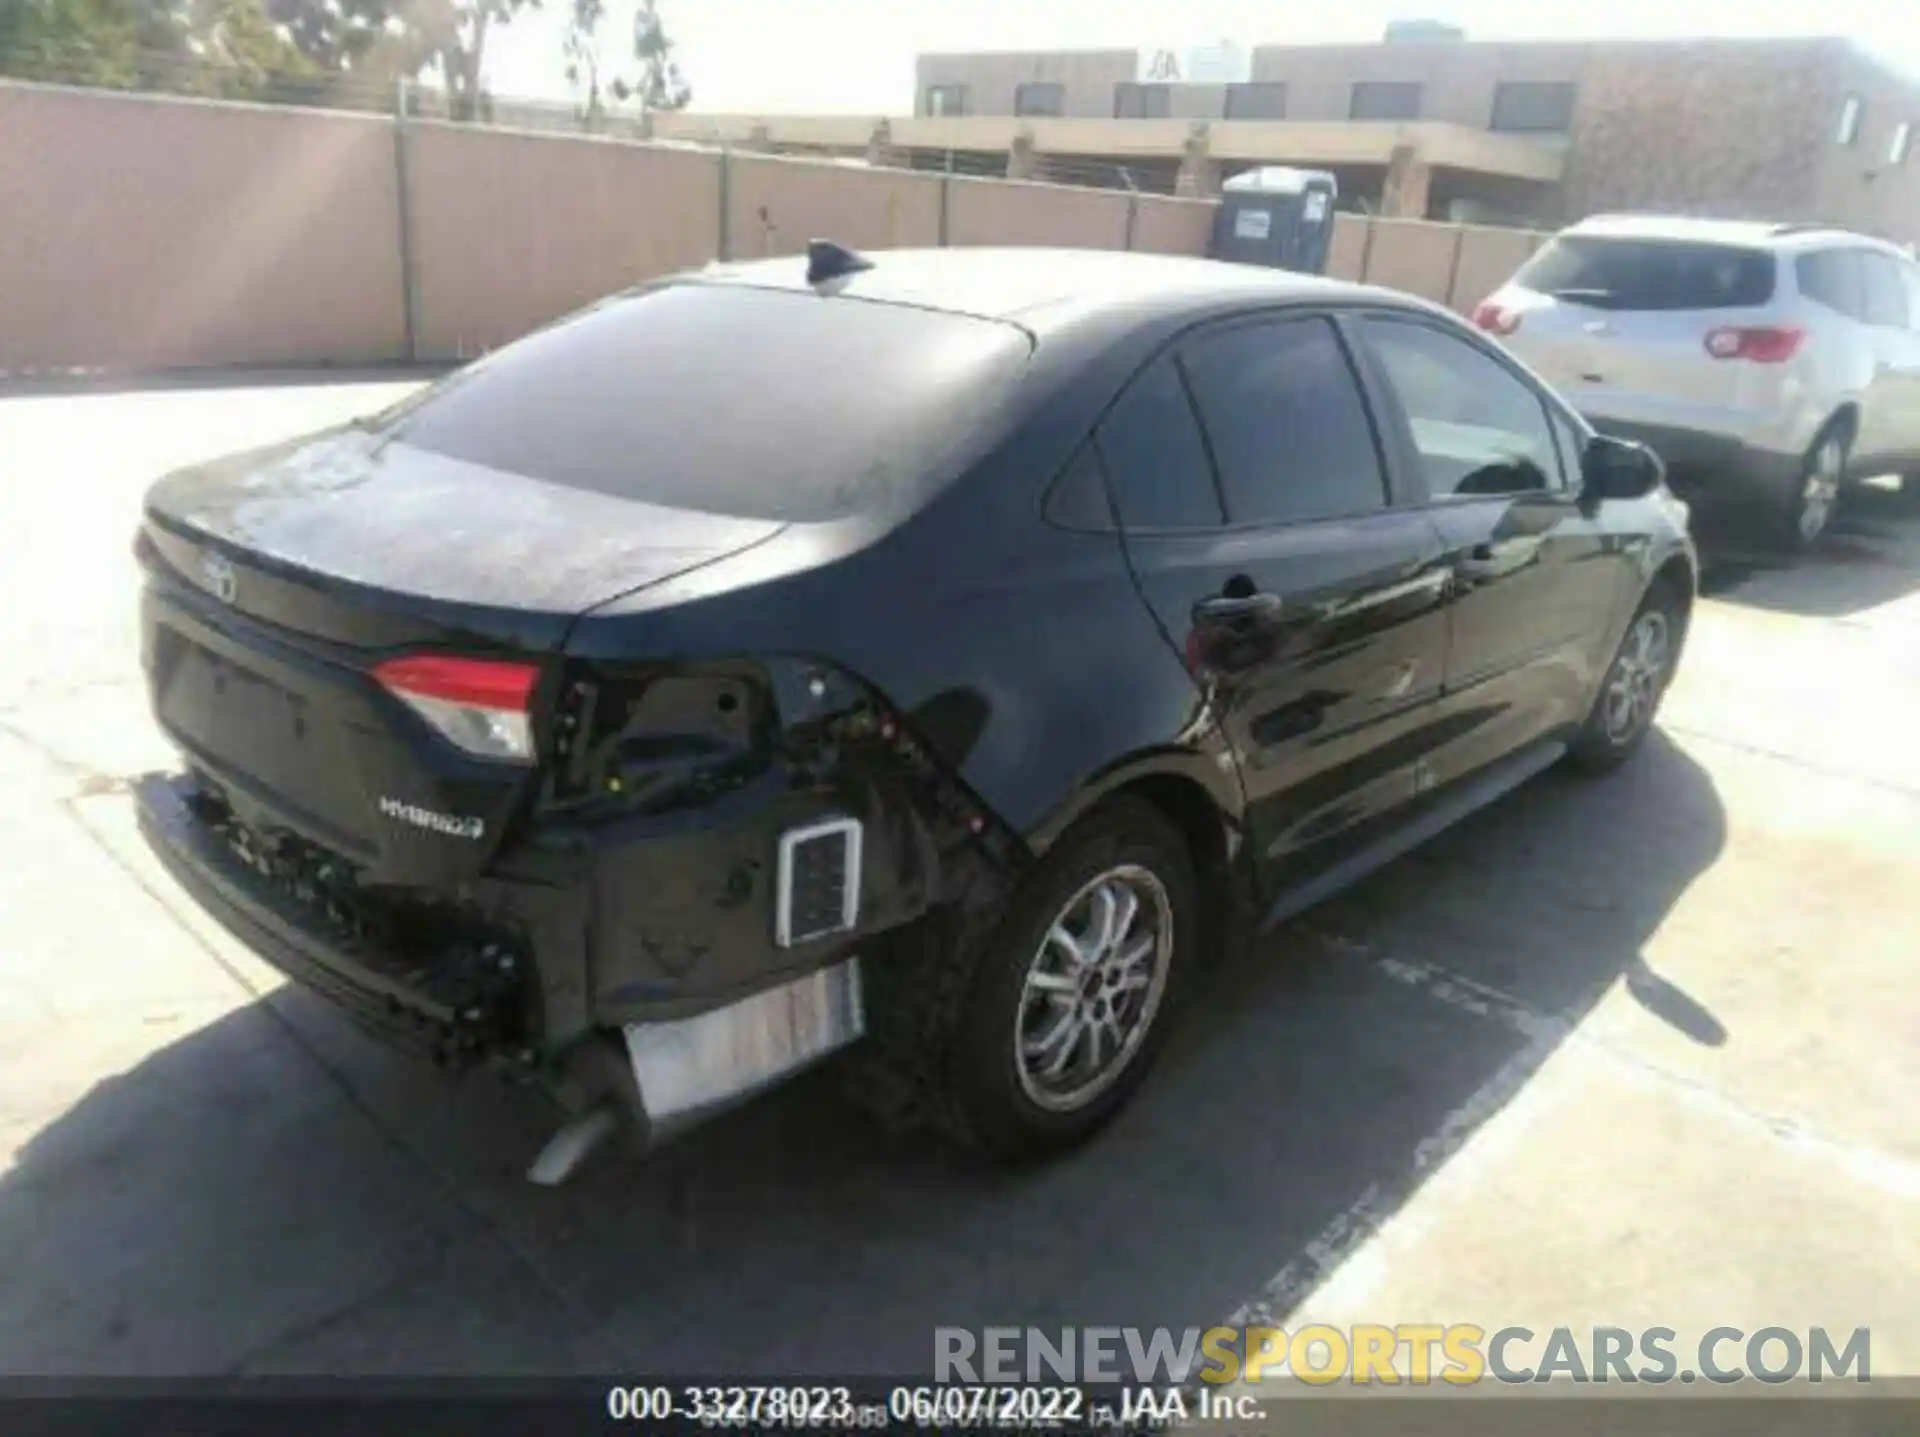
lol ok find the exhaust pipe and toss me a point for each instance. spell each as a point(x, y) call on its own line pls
point(574, 1143)
point(677, 1074)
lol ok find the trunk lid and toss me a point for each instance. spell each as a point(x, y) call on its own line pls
point(339, 532)
point(279, 579)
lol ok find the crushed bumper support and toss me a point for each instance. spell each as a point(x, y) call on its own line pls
point(690, 1068)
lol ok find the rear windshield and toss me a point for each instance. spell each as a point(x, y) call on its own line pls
point(767, 404)
point(1611, 273)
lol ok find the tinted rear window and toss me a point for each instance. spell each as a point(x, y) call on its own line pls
point(767, 404)
point(1609, 273)
point(1289, 430)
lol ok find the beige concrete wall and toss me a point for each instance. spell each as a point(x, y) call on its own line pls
point(1170, 226)
point(775, 206)
point(1347, 251)
point(1488, 257)
point(1413, 255)
point(511, 230)
point(144, 233)
point(999, 212)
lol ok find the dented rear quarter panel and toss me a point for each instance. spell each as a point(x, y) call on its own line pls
point(1019, 652)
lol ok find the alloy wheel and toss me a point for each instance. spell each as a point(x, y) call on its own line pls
point(1639, 674)
point(1093, 988)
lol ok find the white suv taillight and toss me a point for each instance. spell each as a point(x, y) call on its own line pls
point(1763, 344)
point(1495, 318)
point(483, 706)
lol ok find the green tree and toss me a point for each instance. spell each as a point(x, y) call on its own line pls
point(660, 85)
point(334, 34)
point(451, 36)
point(657, 84)
point(229, 48)
point(77, 42)
point(296, 49)
point(240, 54)
point(581, 48)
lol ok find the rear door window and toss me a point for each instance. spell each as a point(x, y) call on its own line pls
point(1832, 277)
point(1289, 430)
point(1611, 272)
point(1078, 498)
point(1155, 459)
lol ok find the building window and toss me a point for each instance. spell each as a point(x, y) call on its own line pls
point(1040, 98)
point(1902, 142)
point(946, 99)
point(1142, 102)
point(1384, 100)
point(1533, 107)
point(1849, 130)
point(1257, 100)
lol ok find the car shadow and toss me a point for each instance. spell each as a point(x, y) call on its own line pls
point(276, 1193)
point(1869, 556)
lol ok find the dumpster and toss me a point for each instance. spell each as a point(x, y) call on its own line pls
point(1276, 216)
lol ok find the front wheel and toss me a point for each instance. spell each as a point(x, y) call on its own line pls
point(1635, 682)
point(1072, 996)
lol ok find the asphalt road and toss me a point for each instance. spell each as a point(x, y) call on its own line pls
point(1635, 1052)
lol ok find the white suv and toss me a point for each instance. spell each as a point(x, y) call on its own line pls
point(1775, 360)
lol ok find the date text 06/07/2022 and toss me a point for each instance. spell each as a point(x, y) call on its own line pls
point(832, 1407)
point(959, 1407)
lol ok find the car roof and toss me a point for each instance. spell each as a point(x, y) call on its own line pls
point(1761, 234)
point(1049, 290)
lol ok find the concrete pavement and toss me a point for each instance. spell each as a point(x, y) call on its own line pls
point(1634, 1052)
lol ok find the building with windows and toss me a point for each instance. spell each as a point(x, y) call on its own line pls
point(1446, 127)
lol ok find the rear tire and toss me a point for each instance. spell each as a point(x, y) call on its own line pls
point(1804, 510)
point(1634, 684)
point(1072, 993)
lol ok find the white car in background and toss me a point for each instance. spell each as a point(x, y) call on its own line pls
point(1770, 362)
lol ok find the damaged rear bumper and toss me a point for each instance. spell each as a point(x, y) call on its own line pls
point(385, 993)
point(652, 976)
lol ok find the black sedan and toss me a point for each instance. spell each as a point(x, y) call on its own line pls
point(911, 654)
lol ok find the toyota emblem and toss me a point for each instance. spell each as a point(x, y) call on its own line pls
point(219, 575)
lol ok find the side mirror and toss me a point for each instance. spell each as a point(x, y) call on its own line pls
point(1619, 469)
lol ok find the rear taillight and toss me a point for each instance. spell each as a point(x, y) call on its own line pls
point(1495, 318)
point(483, 706)
point(1763, 344)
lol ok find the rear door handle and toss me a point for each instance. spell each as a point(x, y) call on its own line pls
point(1262, 607)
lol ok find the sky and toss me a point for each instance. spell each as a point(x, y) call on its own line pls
point(856, 56)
